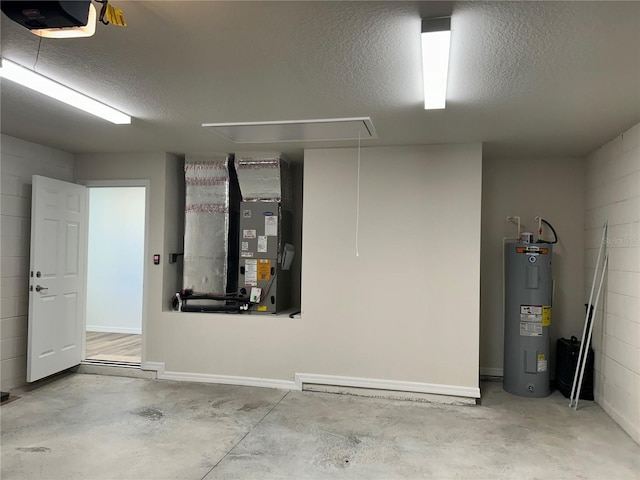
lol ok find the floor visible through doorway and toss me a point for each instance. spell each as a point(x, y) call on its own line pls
point(113, 347)
point(101, 427)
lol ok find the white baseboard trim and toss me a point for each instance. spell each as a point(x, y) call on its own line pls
point(376, 384)
point(155, 366)
point(301, 378)
point(228, 380)
point(101, 329)
point(491, 372)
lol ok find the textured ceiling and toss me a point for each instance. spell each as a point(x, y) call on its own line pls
point(529, 79)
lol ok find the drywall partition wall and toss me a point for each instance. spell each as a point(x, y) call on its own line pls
point(554, 189)
point(405, 310)
point(613, 195)
point(390, 280)
point(152, 167)
point(20, 160)
point(115, 257)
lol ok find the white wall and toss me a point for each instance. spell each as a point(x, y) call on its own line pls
point(613, 194)
point(20, 160)
point(406, 309)
point(115, 259)
point(141, 166)
point(554, 189)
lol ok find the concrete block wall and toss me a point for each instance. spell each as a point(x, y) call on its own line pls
point(613, 195)
point(19, 161)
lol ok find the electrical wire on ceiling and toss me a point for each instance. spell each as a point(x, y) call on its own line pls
point(37, 54)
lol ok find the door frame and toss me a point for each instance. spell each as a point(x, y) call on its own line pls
point(145, 269)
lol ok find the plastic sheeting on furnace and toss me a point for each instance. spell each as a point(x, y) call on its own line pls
point(206, 224)
point(263, 177)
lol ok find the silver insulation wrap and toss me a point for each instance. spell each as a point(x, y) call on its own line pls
point(206, 224)
point(263, 177)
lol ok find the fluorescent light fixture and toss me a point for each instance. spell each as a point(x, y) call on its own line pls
point(436, 38)
point(46, 86)
point(71, 32)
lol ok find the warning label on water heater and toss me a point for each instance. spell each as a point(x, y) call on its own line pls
point(542, 363)
point(530, 320)
point(546, 316)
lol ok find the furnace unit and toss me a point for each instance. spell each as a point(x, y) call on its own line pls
point(264, 228)
point(265, 252)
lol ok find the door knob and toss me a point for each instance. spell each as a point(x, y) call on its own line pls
point(41, 289)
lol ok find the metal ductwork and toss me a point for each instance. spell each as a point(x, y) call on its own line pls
point(264, 177)
point(206, 244)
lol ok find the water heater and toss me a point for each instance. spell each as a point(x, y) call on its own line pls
point(527, 318)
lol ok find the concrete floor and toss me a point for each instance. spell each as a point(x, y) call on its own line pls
point(101, 427)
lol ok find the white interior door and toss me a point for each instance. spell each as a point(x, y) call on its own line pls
point(57, 285)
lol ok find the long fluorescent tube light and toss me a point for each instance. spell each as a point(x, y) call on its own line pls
point(46, 86)
point(436, 39)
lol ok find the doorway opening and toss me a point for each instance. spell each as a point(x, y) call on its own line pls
point(115, 273)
